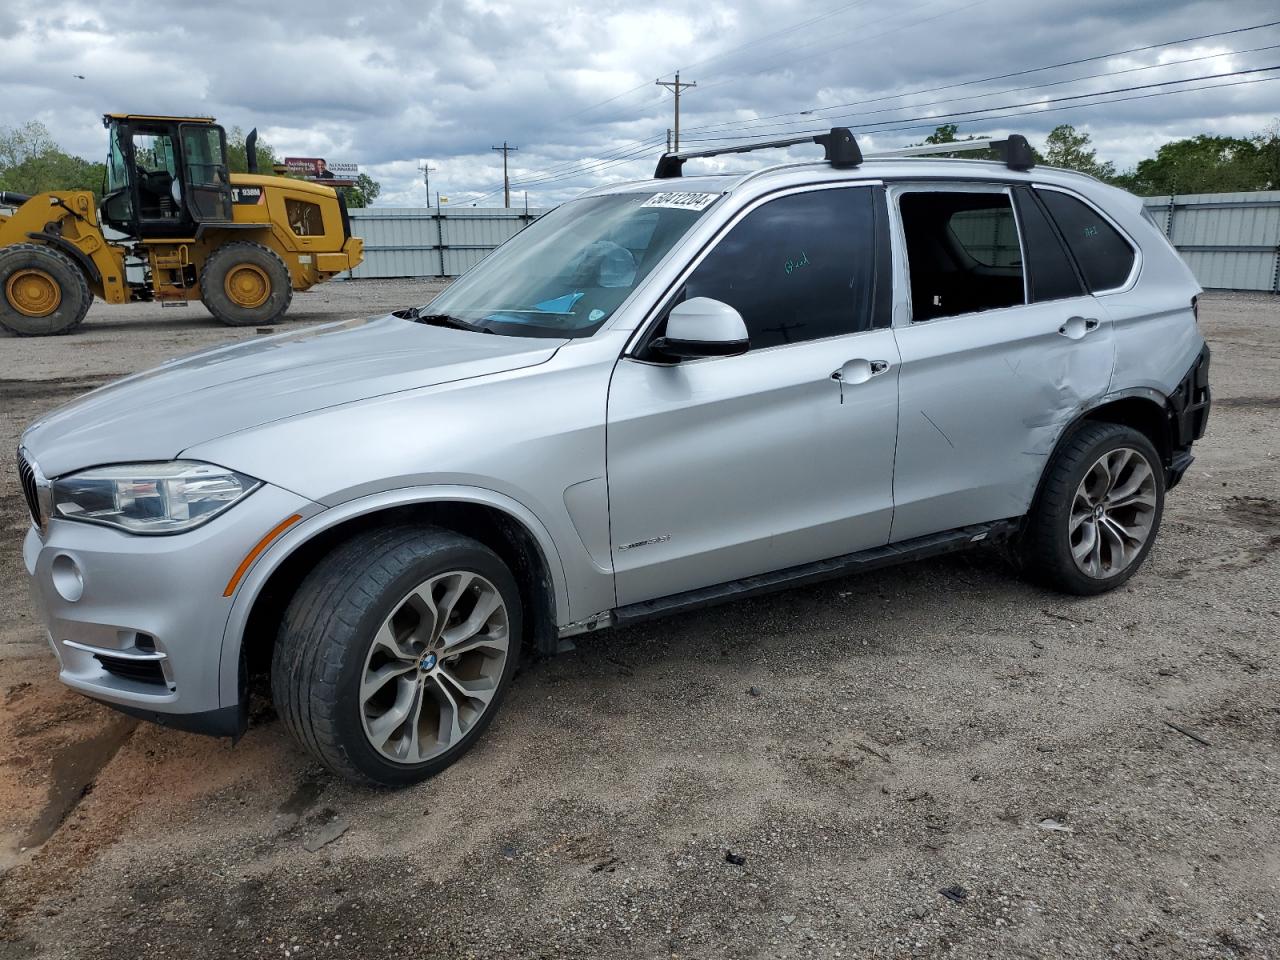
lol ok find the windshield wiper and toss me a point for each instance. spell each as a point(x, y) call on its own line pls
point(436, 319)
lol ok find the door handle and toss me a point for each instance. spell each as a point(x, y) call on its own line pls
point(859, 371)
point(1077, 327)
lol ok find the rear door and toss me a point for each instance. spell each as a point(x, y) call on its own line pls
point(726, 467)
point(1001, 346)
point(206, 180)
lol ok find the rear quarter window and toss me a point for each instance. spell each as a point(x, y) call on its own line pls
point(1050, 273)
point(1105, 257)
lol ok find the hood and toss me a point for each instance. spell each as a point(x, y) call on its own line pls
point(157, 414)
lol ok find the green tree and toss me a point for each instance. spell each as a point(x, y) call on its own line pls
point(237, 153)
point(1205, 164)
point(949, 133)
point(1065, 147)
point(1268, 144)
point(31, 162)
point(363, 193)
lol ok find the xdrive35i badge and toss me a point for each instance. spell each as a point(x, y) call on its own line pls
point(646, 543)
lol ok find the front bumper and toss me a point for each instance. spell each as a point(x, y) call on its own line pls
point(137, 621)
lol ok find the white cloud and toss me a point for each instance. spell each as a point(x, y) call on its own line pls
point(389, 83)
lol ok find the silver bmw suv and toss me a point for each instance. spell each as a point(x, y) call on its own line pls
point(662, 395)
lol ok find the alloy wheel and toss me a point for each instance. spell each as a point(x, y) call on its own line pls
point(1112, 513)
point(434, 667)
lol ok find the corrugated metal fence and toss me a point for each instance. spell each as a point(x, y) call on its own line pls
point(1230, 240)
point(421, 242)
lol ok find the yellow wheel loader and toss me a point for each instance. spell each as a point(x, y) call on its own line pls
point(186, 229)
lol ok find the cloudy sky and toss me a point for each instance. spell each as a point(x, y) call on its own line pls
point(388, 84)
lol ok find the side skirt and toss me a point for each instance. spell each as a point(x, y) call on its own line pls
point(918, 548)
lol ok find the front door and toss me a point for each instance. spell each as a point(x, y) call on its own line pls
point(205, 175)
point(156, 172)
point(1001, 347)
point(726, 467)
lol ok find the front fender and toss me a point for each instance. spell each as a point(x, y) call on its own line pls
point(270, 560)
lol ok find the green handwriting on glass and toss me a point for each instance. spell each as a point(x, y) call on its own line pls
point(791, 266)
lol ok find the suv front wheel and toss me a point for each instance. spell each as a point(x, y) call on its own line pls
point(1098, 511)
point(395, 652)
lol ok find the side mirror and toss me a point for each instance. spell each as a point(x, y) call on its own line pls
point(701, 327)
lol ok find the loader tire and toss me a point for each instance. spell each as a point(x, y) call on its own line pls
point(245, 284)
point(43, 292)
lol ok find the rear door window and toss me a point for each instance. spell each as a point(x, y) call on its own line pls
point(963, 252)
point(1103, 255)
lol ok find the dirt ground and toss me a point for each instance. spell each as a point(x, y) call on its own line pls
point(933, 761)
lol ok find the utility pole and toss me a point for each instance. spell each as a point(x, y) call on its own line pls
point(427, 170)
point(506, 181)
point(675, 86)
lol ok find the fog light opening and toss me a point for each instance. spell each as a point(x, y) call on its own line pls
point(67, 578)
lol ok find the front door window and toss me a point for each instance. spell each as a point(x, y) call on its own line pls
point(208, 185)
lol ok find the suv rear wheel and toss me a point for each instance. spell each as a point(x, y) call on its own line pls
point(395, 652)
point(1098, 511)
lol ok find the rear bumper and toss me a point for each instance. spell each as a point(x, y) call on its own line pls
point(352, 256)
point(1188, 417)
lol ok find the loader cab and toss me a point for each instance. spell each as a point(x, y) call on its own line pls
point(165, 176)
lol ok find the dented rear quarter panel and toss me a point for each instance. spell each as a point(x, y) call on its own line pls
point(1156, 335)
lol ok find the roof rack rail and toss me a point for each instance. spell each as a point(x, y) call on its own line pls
point(839, 146)
point(841, 150)
point(1014, 150)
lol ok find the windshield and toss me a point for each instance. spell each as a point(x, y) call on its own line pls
point(565, 274)
point(117, 169)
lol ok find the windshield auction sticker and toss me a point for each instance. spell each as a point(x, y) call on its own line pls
point(681, 201)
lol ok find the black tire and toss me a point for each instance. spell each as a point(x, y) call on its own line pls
point(228, 260)
point(1046, 541)
point(327, 633)
point(72, 295)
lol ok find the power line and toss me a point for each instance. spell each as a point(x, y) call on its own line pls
point(629, 151)
point(1083, 106)
point(792, 29)
point(1039, 86)
point(586, 167)
point(992, 79)
point(1009, 106)
point(1036, 112)
point(589, 168)
point(629, 148)
point(767, 36)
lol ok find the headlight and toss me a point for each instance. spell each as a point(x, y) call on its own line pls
point(150, 497)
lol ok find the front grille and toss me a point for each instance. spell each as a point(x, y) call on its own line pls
point(27, 477)
point(143, 671)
